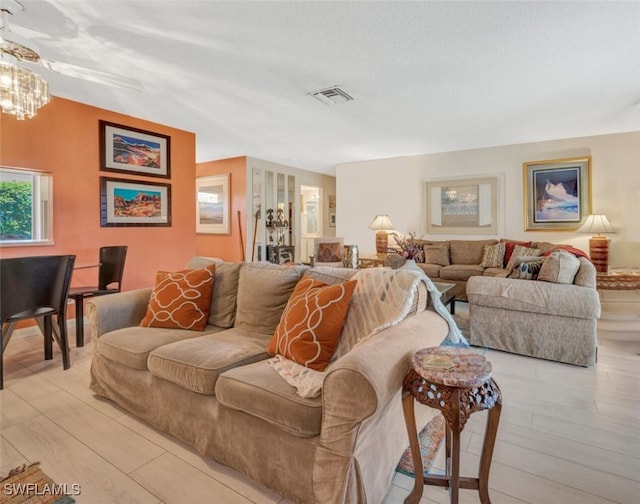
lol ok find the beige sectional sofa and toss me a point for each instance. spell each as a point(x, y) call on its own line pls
point(215, 390)
point(555, 321)
point(455, 261)
point(542, 319)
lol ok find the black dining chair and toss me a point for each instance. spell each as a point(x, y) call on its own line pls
point(36, 287)
point(110, 272)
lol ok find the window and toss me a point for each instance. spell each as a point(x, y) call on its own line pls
point(26, 204)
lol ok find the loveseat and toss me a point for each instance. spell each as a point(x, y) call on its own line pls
point(215, 389)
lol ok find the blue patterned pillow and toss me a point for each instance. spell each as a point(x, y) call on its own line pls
point(527, 268)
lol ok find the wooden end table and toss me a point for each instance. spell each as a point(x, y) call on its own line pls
point(462, 389)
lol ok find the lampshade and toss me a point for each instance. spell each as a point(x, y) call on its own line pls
point(596, 224)
point(381, 223)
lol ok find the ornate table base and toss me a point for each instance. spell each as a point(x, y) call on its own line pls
point(456, 404)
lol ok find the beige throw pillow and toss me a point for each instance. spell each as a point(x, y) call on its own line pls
point(493, 255)
point(436, 254)
point(520, 251)
point(560, 267)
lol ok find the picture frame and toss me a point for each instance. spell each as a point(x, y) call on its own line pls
point(462, 206)
point(332, 219)
point(557, 193)
point(132, 150)
point(125, 202)
point(213, 204)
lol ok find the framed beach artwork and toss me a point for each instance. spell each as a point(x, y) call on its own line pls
point(557, 194)
point(132, 150)
point(462, 206)
point(213, 204)
point(134, 203)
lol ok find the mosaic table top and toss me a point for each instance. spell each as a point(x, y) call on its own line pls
point(452, 366)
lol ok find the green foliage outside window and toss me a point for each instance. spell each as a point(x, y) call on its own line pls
point(15, 210)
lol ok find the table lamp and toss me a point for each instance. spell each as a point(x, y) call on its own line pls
point(598, 245)
point(381, 225)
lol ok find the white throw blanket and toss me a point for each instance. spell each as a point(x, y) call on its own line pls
point(382, 298)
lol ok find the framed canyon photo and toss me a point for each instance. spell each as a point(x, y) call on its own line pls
point(134, 203)
point(557, 194)
point(132, 150)
point(462, 206)
point(213, 204)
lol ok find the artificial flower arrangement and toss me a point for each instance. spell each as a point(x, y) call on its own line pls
point(407, 247)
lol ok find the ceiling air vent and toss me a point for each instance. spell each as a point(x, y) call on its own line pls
point(332, 96)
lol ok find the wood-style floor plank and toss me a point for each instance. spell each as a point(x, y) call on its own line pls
point(568, 435)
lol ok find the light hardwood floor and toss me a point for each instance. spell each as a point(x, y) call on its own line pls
point(568, 435)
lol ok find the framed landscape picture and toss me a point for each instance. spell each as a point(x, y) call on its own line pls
point(132, 150)
point(133, 203)
point(462, 206)
point(557, 194)
point(213, 204)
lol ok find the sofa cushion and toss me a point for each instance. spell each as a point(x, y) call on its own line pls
point(436, 254)
point(547, 246)
point(263, 292)
point(431, 270)
point(586, 276)
point(520, 251)
point(493, 256)
point(496, 272)
point(181, 300)
point(131, 346)
point(460, 271)
point(468, 251)
point(559, 267)
point(311, 323)
point(258, 390)
point(196, 363)
point(508, 249)
point(222, 312)
point(329, 252)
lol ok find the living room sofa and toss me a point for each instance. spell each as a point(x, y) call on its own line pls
point(544, 319)
point(548, 320)
point(216, 391)
point(455, 261)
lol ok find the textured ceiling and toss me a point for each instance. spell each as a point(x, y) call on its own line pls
point(426, 76)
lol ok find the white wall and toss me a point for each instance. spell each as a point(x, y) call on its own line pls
point(396, 186)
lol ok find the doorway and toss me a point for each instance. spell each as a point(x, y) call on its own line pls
point(311, 224)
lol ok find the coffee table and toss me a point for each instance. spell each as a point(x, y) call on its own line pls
point(446, 295)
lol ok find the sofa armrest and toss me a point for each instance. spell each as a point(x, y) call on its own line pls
point(116, 311)
point(364, 380)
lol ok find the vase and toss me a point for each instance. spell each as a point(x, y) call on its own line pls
point(411, 265)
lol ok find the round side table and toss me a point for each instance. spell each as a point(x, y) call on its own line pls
point(457, 382)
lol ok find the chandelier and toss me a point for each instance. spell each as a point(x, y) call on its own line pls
point(22, 92)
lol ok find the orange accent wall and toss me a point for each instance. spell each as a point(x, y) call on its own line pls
point(227, 247)
point(64, 139)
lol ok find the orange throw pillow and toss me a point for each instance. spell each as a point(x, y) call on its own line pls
point(310, 326)
point(181, 300)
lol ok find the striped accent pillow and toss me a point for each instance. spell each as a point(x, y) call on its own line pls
point(311, 323)
point(181, 300)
